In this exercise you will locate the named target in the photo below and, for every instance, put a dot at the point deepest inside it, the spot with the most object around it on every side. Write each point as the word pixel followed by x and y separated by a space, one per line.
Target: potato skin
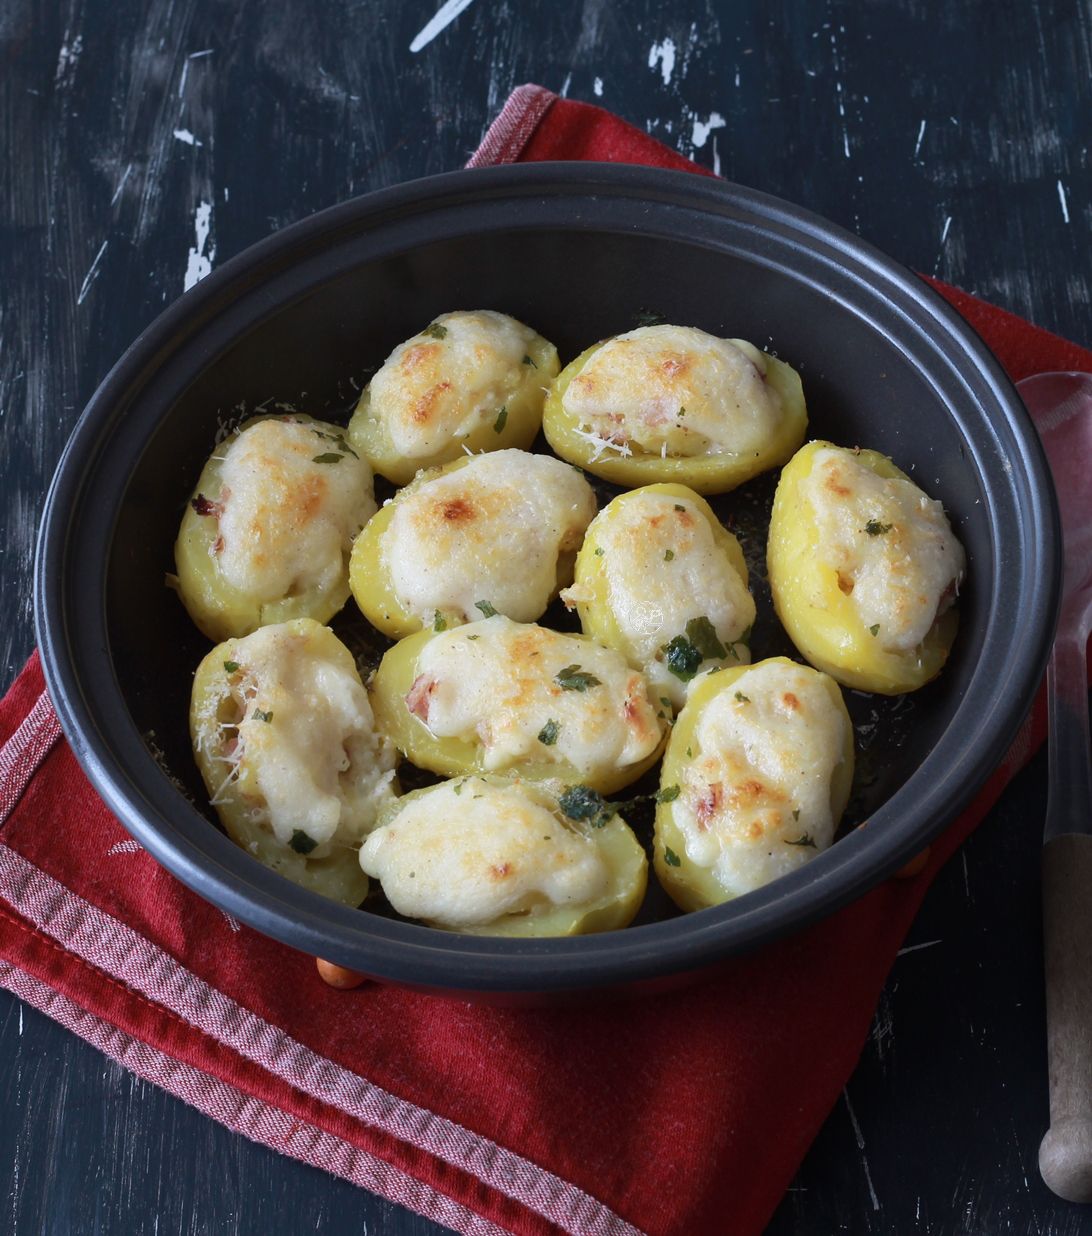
pixel 337 876
pixel 524 417
pixel 451 757
pixel 619 848
pixel 219 610
pixel 692 887
pixel 705 474
pixel 597 619
pixel 835 639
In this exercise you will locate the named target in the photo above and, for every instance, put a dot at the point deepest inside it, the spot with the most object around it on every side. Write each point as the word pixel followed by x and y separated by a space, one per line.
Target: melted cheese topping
pixel 469 852
pixel 676 390
pixel 286 522
pixel 431 390
pixel 892 546
pixel 758 788
pixel 652 596
pixel 306 730
pixel 490 531
pixel 495 683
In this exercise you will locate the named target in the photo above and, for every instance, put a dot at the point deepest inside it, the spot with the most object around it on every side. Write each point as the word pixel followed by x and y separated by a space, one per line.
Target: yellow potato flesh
pixel 597 616
pixel 451 757
pixel 523 416
pixel 220 610
pixel 705 474
pixel 690 886
pixel 338 875
pixel 830 634
pixel 618 847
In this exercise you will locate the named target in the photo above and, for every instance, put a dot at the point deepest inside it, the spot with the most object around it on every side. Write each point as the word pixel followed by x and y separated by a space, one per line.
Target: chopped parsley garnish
pixel 875 528
pixel 743 699
pixel 669 555
pixel 679 506
pixel 580 803
pixel 689 753
pixel 683 658
pixel 548 734
pixel 599 551
pixel 700 643
pixel 805 839
pixel 649 317
pixel 436 331
pixel 337 438
pixel 796 814
pixel 875 628
pixel 231 666
pixel 528 361
pixel 328 457
pixel 703 635
pixel 502 416
pixel 439 622
pixel 665 701
pixel 258 715
pixel 486 608
pixel 682 411
pixel 670 857
pixel 413 875
pixel 573 678
pixel 301 843
pixel 471 637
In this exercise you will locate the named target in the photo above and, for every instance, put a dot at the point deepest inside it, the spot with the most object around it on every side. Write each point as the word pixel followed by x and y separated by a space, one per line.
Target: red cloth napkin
pixel 672 1116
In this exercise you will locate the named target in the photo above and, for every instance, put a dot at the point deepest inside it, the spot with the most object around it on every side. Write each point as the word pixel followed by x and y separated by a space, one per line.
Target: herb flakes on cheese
pixel 676 390
pixel 892 547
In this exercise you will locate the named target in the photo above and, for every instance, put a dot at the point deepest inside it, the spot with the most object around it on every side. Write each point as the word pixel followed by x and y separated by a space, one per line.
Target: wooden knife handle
pixel 1065 1156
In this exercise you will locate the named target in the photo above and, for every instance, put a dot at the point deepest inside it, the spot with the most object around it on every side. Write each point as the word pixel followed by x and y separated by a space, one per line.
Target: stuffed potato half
pixel 496 531
pixel 285 740
pixel 863 568
pixel 656 416
pixel 661 580
pixel 755 778
pixel 267 534
pixel 500 696
pixel 498 857
pixel 469 382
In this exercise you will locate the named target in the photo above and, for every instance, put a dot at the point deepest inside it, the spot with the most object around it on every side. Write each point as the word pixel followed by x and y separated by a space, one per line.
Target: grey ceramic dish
pixel 576 250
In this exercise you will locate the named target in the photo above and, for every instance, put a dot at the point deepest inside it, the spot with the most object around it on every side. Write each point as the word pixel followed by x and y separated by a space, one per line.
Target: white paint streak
pixel 860 1146
pixel 921 134
pixel 68 56
pixel 198 264
pixel 89 278
pixel 597 86
pixel 197 55
pixel 913 948
pixel 1061 198
pixel 664 53
pixel 121 184
pixel 702 128
pixel 185 74
pixel 184 135
pixel 716 158
pixel 944 233
pixel 564 91
pixel 444 17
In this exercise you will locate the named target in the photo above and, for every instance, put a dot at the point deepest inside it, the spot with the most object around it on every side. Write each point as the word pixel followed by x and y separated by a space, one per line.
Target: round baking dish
pixel 576 250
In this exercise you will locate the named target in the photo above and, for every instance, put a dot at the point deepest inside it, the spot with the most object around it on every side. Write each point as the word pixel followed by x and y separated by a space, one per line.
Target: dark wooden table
pixel 145 140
